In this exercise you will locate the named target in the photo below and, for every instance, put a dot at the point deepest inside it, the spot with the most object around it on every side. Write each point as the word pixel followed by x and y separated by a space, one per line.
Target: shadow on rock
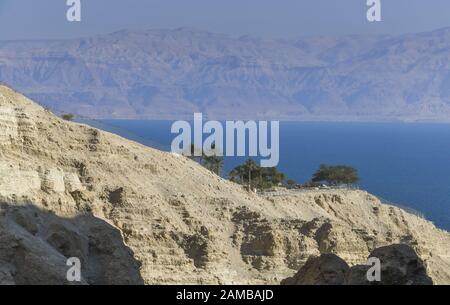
pixel 327 269
pixel 399 265
pixel 35 246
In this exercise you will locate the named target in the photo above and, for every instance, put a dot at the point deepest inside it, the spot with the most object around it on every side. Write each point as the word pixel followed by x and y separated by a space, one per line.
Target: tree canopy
pixel 211 161
pixel 255 176
pixel 335 175
pixel 68 116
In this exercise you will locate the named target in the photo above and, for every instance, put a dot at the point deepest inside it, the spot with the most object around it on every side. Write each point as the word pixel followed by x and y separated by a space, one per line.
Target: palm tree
pixel 193 151
pixel 254 176
pixel 218 165
pixel 251 167
pixel 214 163
pixel 212 160
pixel 237 174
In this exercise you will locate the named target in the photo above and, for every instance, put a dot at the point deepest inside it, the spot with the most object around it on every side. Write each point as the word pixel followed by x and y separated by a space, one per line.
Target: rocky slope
pixel 133 214
pixel 172 73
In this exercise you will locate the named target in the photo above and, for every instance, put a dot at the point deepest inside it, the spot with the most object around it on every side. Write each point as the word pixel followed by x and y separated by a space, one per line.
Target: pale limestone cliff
pixel 134 214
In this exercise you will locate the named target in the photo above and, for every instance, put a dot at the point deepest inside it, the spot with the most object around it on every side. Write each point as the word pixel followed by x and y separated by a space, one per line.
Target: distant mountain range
pixel 166 74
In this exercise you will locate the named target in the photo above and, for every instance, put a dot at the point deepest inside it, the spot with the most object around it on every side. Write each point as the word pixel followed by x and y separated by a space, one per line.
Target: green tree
pixel 193 150
pixel 213 160
pixel 237 174
pixel 252 170
pixel 335 175
pixel 213 163
pixel 68 116
pixel 291 183
pixel 210 160
pixel 254 176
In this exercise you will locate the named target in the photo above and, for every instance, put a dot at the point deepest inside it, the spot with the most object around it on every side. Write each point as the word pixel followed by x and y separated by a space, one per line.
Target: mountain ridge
pixel 169 74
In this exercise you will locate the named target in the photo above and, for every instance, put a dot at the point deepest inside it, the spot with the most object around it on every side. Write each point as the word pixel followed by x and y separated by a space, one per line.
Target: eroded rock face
pixel 98 196
pixel 35 246
pixel 327 269
pixel 400 265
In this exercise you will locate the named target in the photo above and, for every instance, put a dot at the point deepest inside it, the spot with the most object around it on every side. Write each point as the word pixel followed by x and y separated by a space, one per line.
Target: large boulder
pixel 357 275
pixel 326 269
pixel 399 265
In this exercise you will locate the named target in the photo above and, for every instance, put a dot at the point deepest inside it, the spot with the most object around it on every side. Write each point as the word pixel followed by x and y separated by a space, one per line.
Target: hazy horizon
pixel 260 18
pixel 220 33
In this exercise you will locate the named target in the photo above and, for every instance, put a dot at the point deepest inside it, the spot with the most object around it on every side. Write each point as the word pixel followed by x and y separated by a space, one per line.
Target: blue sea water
pixel 408 164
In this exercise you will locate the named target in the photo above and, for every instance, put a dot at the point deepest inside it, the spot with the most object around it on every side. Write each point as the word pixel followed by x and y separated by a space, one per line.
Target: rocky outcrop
pixel 327 269
pixel 133 214
pixel 35 246
pixel 399 265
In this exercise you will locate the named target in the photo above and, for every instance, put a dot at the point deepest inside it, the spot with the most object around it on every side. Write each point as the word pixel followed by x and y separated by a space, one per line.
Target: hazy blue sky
pixel 37 19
